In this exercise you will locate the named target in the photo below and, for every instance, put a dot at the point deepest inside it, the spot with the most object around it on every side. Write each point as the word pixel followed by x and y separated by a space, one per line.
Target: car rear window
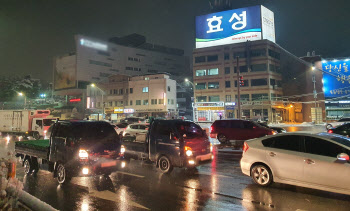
pixel 93 132
pixel 190 129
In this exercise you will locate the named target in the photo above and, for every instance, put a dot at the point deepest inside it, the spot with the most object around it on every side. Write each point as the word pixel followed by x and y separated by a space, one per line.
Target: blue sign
pixel 336 79
pixel 229 27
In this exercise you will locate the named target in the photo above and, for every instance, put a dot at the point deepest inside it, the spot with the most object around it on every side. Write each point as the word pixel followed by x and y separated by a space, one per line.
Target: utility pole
pixel 315 96
pixel 238 89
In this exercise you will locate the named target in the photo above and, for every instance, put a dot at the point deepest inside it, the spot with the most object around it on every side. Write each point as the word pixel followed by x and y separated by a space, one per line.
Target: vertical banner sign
pixel 234 26
pixel 337 82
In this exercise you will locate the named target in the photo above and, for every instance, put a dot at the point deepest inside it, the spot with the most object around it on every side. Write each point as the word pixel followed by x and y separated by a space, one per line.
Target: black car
pixel 343 129
pixel 277 129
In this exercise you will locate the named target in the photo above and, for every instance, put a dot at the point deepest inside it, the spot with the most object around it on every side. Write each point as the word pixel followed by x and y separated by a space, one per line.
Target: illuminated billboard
pixel 65 76
pixel 235 26
pixel 336 79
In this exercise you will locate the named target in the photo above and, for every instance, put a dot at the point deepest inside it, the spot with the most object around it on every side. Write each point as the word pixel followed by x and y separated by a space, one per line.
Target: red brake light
pixel 330 131
pixel 245 147
pixel 211 128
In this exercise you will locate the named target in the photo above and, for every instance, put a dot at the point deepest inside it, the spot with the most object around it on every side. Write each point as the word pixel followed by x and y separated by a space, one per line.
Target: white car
pixel 339 122
pixel 314 161
pixel 136 131
pixel 120 127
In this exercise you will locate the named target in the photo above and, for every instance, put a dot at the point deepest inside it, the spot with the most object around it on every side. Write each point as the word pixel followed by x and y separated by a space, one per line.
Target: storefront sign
pixel 128 110
pixel 210 108
pixel 209 104
pixel 109 110
pixel 337 82
pixel 118 110
pixel 148 110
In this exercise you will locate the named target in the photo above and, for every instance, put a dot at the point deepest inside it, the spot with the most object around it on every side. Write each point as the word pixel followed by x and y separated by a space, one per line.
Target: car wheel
pixel 329 126
pixel 36 136
pixel 165 165
pixel 28 167
pixel 222 138
pixel 261 175
pixel 62 174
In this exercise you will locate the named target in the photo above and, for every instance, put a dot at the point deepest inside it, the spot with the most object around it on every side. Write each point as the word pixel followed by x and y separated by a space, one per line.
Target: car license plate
pixel 109 164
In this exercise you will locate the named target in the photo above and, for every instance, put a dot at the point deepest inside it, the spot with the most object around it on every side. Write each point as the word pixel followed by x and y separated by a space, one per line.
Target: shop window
pixel 202 99
pixel 214 71
pixel 201 85
pixel 246 113
pixel 213 85
pixel 215 98
pixel 200 72
pixel 259 82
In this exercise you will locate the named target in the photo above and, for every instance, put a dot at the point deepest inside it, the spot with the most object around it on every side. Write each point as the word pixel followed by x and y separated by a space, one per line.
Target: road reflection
pixel 280 196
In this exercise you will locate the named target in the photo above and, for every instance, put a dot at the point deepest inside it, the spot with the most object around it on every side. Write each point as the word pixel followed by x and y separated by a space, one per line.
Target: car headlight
pixel 188 151
pixel 122 149
pixel 83 154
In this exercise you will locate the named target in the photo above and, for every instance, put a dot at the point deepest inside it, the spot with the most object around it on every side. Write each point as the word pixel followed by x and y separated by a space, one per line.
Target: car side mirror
pixel 343 157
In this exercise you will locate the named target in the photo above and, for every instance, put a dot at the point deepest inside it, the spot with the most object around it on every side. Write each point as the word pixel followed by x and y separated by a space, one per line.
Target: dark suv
pixel 236 131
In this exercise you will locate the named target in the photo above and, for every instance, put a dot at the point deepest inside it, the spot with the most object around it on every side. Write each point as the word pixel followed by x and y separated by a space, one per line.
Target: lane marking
pixel 130 174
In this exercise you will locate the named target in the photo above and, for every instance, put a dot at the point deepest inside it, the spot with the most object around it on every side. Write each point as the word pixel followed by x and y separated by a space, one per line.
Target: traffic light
pixel 241 81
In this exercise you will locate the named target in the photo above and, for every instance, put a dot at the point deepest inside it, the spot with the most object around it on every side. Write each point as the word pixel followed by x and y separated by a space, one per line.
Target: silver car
pixel 314 161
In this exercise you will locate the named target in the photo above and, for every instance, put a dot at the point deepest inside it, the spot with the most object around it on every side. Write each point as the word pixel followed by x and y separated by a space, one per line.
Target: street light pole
pixel 315 93
pixel 194 98
pixel 238 90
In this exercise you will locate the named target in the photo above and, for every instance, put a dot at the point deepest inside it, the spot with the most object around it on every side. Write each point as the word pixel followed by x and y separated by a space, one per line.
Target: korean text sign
pixel 336 79
pixel 233 26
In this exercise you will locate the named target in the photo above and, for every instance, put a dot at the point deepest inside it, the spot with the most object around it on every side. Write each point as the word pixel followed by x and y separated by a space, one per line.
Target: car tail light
pixel 211 128
pixel 188 151
pixel 245 147
pixel 330 131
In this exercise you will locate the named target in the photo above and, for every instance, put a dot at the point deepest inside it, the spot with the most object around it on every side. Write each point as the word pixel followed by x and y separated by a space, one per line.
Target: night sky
pixel 33 32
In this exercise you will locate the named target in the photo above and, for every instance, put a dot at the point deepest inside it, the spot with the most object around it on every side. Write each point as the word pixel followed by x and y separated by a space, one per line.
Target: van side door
pixel 59 142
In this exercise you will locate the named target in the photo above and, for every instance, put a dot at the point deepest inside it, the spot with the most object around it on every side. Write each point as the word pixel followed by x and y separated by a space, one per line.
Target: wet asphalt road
pixel 219 185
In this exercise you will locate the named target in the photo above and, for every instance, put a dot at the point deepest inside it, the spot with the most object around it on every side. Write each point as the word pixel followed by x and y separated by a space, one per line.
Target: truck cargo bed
pixel 37 148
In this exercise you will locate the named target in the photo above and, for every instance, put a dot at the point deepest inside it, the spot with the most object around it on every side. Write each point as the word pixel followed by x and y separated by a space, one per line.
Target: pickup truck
pixel 170 143
pixel 74 148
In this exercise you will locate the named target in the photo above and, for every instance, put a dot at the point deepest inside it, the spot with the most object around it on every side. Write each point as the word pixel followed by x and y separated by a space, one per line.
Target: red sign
pixel 202 118
pixel 75 100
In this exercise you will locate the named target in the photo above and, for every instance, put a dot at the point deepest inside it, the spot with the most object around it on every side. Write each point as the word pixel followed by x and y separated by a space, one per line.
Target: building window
pixel 103 53
pixel 213 85
pixel 100 63
pixel 138 102
pixel 199 59
pixel 227 84
pixel 172 102
pixel 215 98
pixel 201 85
pixel 212 58
pixel 129 68
pixel 258 67
pixel 214 71
pixel 242 69
pixel 121 91
pixel 259 82
pixel 145 102
pixel 257 52
pixel 226 56
pixel 145 89
pixel 200 72
pixel 272 82
pixel 244 97
pixel 202 99
pixel 227 70
pixel 146 78
pixel 279 83
pixel 242 54
pixel 168 88
pixel 168 101
pixel 245 83
pixel 110 91
pixel 153 101
pixel 274 54
pixel 131 90
pixel 246 113
pixel 115 91
pixel 121 103
pixel 115 103
pixel 160 101
pixel 228 98
pixel 260 97
pixel 110 103
pixel 131 102
pixel 126 103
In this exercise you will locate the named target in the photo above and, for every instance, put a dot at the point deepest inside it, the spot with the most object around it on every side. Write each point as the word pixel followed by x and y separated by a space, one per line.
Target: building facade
pixel 94 61
pixel 147 95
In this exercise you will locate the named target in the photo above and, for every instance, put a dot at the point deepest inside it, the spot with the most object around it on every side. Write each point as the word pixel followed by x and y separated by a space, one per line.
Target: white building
pixel 147 95
pixel 95 60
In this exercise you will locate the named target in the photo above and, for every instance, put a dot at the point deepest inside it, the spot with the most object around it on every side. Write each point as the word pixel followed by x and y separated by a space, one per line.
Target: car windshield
pixel 190 130
pixel 337 138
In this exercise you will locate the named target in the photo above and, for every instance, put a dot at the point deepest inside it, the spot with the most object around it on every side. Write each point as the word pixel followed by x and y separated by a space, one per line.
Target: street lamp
pixel 25 98
pixel 103 104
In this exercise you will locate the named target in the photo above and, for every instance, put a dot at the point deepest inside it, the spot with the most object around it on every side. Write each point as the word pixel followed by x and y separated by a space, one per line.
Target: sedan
pixel 314 161
pixel 343 130
pixel 339 122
